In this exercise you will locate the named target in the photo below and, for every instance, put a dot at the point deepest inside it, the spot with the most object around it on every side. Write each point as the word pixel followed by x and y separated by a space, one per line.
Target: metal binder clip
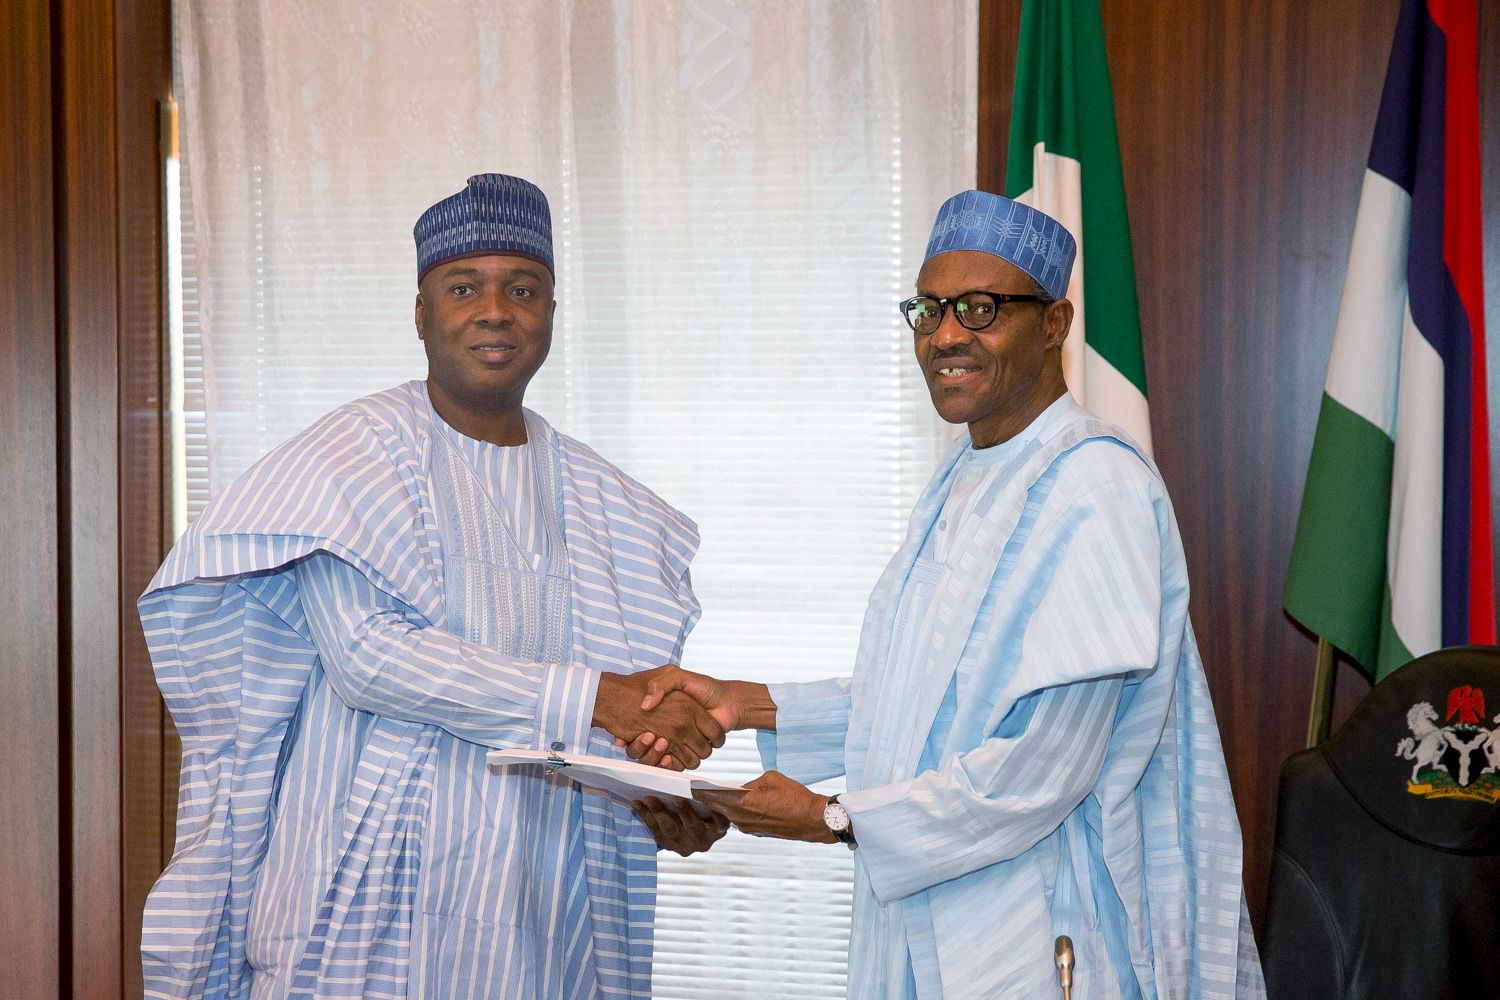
pixel 554 759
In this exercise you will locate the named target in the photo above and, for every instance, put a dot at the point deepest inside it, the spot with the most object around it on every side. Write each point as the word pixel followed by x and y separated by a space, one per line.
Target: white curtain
pixel 741 192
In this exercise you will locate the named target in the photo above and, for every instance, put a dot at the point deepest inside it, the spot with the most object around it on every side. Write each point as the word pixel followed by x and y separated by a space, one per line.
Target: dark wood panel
pixel 144 79
pixel 1244 129
pixel 88 428
pixel 30 865
pixel 1243 163
pixel 999 27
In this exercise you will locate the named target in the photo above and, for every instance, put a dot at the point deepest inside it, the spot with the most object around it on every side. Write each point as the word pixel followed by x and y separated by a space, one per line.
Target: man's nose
pixel 494 308
pixel 950 332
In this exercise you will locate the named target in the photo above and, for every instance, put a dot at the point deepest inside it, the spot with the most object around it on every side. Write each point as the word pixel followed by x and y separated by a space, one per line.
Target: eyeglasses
pixel 975 310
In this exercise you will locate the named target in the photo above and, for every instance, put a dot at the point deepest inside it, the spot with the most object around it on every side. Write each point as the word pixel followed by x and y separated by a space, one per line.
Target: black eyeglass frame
pixel 997 299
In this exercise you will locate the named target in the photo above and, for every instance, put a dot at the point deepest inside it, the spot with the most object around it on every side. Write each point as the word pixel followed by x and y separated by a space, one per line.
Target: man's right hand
pixel 733 704
pixel 690 731
pixel 718 697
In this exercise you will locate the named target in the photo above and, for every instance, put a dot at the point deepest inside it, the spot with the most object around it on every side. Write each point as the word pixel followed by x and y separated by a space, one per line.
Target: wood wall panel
pixel 144 79
pixel 88 430
pixel 1244 131
pixel 30 862
pixel 80 285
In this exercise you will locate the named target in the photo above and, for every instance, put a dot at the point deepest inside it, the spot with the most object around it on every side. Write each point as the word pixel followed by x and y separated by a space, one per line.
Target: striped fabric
pixel 375 738
pixel 1393 555
pixel 1029 740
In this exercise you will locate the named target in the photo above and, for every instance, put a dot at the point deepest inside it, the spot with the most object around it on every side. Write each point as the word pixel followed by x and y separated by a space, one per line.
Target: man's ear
pixel 420 317
pixel 1056 321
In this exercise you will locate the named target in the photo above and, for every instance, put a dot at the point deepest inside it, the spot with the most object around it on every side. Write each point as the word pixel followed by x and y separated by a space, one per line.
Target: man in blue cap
pixel 1028 739
pixel 344 634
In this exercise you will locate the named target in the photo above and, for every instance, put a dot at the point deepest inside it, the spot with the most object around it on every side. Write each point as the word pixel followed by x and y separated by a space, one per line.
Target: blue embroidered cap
pixel 494 214
pixel 1033 241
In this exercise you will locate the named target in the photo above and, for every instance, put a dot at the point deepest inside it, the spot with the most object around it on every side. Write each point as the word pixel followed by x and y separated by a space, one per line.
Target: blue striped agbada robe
pixel 1029 742
pixel 400 874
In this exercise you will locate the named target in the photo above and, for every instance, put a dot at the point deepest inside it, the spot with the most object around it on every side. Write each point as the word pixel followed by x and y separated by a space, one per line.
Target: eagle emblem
pixel 1459 760
pixel 1467 703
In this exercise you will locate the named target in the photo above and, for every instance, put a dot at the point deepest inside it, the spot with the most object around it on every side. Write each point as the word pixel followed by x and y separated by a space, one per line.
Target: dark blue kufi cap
pixel 1031 240
pixel 493 214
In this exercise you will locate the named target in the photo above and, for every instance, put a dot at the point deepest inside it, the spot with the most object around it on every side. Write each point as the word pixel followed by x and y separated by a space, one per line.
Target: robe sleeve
pixel 380 657
pixel 1096 623
pixel 812 720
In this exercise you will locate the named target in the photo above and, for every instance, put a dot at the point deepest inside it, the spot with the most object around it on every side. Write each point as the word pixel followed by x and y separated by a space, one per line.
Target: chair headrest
pixel 1421 753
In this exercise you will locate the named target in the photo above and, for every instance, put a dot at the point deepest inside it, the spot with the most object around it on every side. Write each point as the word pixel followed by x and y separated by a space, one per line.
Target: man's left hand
pixel 773 805
pixel 678 826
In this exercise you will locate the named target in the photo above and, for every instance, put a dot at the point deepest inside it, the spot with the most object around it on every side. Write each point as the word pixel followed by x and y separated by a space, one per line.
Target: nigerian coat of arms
pixel 1459 759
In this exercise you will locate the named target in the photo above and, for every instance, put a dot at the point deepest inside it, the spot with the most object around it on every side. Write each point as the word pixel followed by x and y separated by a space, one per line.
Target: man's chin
pixel 952 411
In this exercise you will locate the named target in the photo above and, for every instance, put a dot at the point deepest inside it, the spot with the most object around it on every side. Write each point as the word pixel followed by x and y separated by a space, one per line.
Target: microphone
pixel 1062 954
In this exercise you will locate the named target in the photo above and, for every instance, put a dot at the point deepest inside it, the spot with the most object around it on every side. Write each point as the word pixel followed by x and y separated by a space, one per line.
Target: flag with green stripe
pixel 1065 160
pixel 1393 556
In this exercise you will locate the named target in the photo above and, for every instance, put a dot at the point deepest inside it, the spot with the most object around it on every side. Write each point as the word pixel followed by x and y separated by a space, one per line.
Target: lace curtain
pixel 741 193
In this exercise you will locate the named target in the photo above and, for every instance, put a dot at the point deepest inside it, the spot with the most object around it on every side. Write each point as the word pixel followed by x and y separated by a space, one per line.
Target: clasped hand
pixel 687 718
pixel 772 805
pixel 656 704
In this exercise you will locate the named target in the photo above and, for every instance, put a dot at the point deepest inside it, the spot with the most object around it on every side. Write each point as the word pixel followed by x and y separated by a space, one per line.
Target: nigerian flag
pixel 1065 160
pixel 1392 557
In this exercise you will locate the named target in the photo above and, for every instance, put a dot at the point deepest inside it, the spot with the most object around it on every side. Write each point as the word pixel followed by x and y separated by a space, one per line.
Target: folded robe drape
pixel 233 656
pixel 1029 741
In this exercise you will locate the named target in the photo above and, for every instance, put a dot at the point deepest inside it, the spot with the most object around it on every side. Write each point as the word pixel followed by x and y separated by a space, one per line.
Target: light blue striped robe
pixel 1029 742
pixel 386 891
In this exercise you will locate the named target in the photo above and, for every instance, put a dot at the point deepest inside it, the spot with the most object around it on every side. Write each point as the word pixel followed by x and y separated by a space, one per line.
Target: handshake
pixel 675 718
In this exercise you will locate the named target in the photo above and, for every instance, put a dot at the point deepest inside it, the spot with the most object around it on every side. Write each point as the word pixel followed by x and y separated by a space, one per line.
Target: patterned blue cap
pixel 1033 241
pixel 494 214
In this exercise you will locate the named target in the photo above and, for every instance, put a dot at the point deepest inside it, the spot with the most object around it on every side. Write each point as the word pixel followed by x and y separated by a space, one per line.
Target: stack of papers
pixel 625 778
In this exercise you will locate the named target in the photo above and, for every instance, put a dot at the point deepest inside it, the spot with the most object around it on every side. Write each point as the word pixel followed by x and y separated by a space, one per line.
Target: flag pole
pixel 1320 715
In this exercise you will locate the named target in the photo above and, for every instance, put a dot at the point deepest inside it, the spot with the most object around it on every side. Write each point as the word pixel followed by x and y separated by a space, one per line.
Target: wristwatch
pixel 837 819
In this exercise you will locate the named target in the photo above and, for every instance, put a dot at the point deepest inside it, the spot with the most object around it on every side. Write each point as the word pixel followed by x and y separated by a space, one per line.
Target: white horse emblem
pixel 1427 742
pixel 1492 750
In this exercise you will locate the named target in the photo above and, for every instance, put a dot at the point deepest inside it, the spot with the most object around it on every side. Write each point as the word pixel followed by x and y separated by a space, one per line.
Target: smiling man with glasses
pixel 1028 738
pixel 987 367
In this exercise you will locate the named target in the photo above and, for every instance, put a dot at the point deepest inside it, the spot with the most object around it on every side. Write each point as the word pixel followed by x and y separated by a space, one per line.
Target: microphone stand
pixel 1062 954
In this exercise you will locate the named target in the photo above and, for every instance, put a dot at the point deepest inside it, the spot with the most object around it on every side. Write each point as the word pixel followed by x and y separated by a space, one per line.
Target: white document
pixel 626 778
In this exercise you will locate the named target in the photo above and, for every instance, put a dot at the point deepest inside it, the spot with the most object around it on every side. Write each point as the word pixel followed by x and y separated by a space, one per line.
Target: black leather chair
pixel 1385 881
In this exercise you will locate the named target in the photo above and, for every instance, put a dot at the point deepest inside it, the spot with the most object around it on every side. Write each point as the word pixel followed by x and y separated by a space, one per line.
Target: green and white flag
pixel 1394 554
pixel 1065 160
